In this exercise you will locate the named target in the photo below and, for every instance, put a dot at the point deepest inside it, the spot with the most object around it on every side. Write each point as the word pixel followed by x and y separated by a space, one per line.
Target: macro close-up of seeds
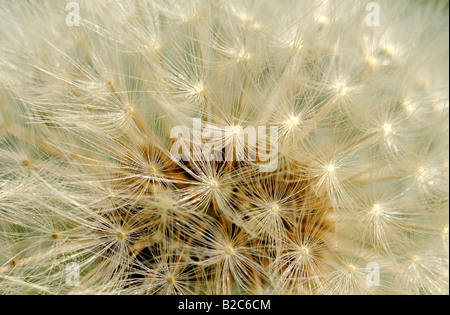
pixel 226 147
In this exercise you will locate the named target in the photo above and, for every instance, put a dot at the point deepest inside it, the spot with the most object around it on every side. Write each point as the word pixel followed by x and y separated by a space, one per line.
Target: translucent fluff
pixel 91 200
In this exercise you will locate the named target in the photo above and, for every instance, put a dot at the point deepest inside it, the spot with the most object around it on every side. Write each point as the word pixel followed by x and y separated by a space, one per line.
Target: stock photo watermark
pixel 373 274
pixel 228 143
pixel 73 17
pixel 73 274
pixel 373 17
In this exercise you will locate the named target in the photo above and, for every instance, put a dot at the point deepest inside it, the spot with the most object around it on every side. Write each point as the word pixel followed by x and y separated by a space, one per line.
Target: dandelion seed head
pixel 55 235
pixel 152 170
pixel 213 184
pixel 90 119
pixel 157 46
pixel 293 121
pixel 170 280
pixel 109 84
pixel 408 106
pixel 165 201
pixel 387 128
pixel 341 88
pixel 371 60
pixel 243 55
pixel 229 250
pixel 422 174
pixel 304 251
pixel 323 20
pixel 235 130
pixel 199 89
pixel 351 268
pixel 246 18
pixel 331 168
pixel 390 50
pixel 111 195
pixel 26 162
pixel 120 235
pixel 377 209
pixel 129 111
pixel 275 208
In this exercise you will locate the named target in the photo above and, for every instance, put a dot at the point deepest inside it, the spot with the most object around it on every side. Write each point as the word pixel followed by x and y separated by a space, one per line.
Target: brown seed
pixel 229 250
pixel 170 280
pixel 120 235
pixel 55 235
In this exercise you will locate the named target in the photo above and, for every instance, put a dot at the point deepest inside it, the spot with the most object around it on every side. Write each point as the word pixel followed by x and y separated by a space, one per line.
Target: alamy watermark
pixel 73 274
pixel 229 143
pixel 373 274
pixel 373 17
pixel 73 17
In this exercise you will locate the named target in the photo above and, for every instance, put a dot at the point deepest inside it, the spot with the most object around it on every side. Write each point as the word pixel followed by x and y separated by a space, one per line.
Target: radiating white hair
pixel 87 179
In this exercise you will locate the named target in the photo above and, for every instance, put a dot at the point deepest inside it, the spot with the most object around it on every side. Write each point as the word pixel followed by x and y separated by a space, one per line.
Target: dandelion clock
pixel 224 147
